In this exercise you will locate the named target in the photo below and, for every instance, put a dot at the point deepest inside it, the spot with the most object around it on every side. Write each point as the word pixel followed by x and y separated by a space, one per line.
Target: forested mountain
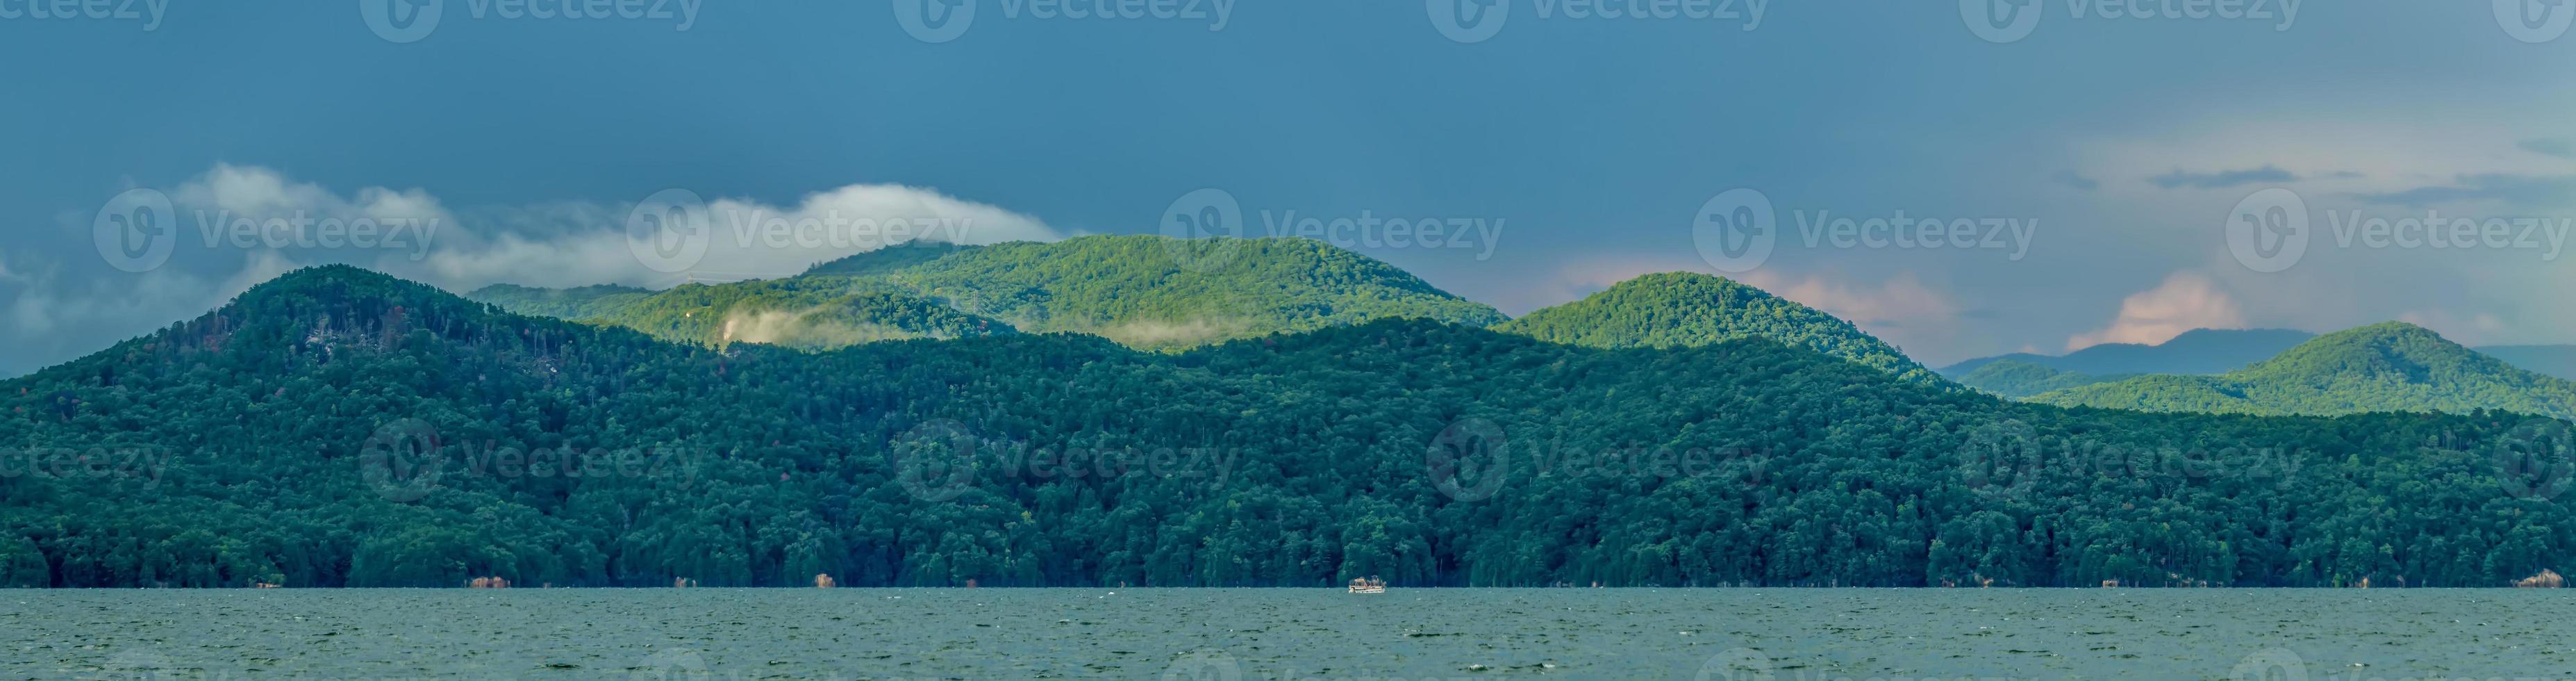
pixel 2198 351
pixel 1159 292
pixel 2383 367
pixel 1143 291
pixel 340 427
pixel 563 303
pixel 2018 379
pixel 888 260
pixel 1682 309
pixel 809 313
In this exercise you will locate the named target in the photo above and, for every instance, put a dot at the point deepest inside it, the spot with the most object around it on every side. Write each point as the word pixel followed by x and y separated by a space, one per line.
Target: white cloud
pixel 2185 301
pixel 1901 310
pixel 580 243
pixel 252 191
pixel 55 313
pixel 1901 301
pixel 767 241
pixel 2330 157
pixel 50 321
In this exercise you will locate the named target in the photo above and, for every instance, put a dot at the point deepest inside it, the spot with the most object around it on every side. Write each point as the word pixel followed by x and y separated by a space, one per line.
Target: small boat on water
pixel 1368 585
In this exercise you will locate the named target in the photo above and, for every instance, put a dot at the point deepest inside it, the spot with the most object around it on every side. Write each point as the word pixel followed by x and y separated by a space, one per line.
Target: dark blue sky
pixel 2096 160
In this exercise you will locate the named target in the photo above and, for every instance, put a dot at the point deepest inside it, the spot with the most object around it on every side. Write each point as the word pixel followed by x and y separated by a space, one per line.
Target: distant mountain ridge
pixel 2198 351
pixel 1138 290
pixel 2392 366
pixel 1163 293
pixel 2017 379
pixel 563 303
pixel 1683 309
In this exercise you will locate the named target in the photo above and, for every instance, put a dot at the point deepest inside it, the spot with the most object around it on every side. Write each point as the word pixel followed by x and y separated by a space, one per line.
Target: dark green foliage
pixel 1680 309
pixel 2383 367
pixel 1133 289
pixel 279 424
pixel 563 303
pixel 808 313
pixel 2018 379
pixel 1130 289
pixel 886 260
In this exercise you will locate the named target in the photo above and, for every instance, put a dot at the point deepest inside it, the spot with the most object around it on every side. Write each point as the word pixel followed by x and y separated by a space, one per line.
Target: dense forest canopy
pixel 1681 309
pixel 1147 292
pixel 818 312
pixel 2382 367
pixel 2018 379
pixel 338 427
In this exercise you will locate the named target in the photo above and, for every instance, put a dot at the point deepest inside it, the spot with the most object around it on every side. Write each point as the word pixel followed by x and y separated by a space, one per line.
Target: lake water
pixel 1226 634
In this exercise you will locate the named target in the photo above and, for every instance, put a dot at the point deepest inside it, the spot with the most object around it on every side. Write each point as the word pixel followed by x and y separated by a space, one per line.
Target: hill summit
pixel 1143 291
pixel 2391 366
pixel 1684 309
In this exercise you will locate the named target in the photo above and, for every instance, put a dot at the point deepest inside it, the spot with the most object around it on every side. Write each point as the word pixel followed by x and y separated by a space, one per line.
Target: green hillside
pixel 1681 309
pixel 338 427
pixel 562 303
pixel 809 313
pixel 887 260
pixel 1133 290
pixel 2019 379
pixel 2383 367
pixel 1130 289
